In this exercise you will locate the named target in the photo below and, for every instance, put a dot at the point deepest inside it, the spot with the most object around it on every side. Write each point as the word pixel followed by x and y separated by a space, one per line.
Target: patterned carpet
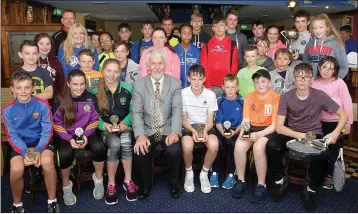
pixel 219 200
pixel 351 169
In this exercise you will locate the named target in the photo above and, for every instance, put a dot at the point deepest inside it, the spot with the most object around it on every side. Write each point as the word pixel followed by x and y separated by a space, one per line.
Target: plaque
pixel 227 126
pixel 114 120
pixel 31 154
pixel 246 126
pixel 200 129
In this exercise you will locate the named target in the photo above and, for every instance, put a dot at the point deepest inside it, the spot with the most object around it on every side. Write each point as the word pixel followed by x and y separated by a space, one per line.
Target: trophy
pixel 227 126
pixel 290 35
pixel 31 154
pixel 246 126
pixel 114 120
pixel 79 134
pixel 310 136
pixel 200 129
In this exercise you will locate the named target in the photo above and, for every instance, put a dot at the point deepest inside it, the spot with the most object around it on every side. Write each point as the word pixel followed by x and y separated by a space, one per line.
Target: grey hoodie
pixel 279 84
pixel 240 40
pixel 132 72
pixel 329 46
pixel 300 44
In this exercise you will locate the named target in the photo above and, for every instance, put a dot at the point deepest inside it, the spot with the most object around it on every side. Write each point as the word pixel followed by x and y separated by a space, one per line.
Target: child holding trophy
pixel 115 110
pixel 75 122
pixel 258 126
pixel 227 121
pixel 199 106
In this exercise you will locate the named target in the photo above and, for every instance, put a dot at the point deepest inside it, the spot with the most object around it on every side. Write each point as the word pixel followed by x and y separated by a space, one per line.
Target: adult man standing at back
pixel 68 19
pixel 239 39
pixel 258 29
pixel 156 119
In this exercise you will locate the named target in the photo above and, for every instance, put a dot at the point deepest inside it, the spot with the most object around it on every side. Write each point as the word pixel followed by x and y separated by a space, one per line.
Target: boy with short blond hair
pixel 199 107
pixel 219 57
pixel 28 125
pixel 200 37
pixel 230 110
pixel 282 76
pixel 86 61
pixel 245 75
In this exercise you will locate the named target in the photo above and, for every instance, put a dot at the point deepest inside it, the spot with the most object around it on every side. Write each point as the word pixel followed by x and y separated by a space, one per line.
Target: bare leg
pixel 17 168
pixel 240 154
pixel 48 166
pixel 260 159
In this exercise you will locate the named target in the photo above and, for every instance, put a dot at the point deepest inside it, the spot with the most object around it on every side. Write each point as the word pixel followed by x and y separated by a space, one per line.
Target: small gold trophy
pixel 200 129
pixel 31 154
pixel 310 136
pixel 79 133
pixel 227 126
pixel 114 120
pixel 246 126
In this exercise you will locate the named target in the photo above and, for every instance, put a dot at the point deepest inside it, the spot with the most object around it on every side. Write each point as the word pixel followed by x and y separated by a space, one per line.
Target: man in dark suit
pixel 156 119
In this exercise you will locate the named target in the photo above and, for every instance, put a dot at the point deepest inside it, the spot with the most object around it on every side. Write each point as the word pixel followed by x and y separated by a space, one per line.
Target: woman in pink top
pixel 159 40
pixel 273 35
pixel 337 89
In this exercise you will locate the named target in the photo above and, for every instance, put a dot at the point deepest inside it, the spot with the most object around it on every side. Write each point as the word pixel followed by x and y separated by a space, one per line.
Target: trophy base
pixel 227 133
pixel 79 141
pixel 201 138
pixel 245 136
pixel 115 130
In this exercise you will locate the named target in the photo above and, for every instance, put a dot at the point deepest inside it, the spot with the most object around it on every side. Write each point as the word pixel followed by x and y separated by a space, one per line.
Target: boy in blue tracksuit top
pixel 230 106
pixel 188 53
pixel 139 46
pixel 28 124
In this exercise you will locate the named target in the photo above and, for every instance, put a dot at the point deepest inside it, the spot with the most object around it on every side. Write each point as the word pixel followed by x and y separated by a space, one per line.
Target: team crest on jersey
pixel 86 108
pixel 35 115
pixel 123 101
pixel 303 42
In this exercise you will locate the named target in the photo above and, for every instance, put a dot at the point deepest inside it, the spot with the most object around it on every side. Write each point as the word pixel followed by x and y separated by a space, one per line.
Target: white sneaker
pixel 204 182
pixel 68 197
pixel 189 181
pixel 98 191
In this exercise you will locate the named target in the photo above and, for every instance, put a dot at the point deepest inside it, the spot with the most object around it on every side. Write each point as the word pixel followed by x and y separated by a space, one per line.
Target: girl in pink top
pixel 273 35
pixel 159 40
pixel 337 89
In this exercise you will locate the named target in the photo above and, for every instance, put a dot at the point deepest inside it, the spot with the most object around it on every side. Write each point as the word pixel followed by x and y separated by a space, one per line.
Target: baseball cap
pixel 261 73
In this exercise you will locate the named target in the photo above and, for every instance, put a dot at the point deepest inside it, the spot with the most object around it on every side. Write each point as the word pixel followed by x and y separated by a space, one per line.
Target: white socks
pixel 17 205
pixel 51 201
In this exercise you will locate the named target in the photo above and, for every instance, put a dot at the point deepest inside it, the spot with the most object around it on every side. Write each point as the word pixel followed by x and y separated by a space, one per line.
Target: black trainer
pixel 19 209
pixel 259 194
pixel 54 207
pixel 279 190
pixel 111 195
pixel 309 201
pixel 238 191
pixel 131 191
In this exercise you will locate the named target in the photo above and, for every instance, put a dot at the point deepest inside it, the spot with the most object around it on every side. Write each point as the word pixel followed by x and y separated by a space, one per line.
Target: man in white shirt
pixel 199 106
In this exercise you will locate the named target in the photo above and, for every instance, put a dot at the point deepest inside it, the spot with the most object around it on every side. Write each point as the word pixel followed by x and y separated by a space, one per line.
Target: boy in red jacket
pixel 219 57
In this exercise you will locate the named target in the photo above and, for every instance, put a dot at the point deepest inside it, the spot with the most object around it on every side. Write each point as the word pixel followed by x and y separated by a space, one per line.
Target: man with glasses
pixel 68 19
pixel 301 107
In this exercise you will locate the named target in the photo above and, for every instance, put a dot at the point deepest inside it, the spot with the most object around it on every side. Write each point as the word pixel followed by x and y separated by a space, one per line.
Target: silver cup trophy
pixel 227 126
pixel 290 36
pixel 114 120
pixel 79 133
pixel 246 126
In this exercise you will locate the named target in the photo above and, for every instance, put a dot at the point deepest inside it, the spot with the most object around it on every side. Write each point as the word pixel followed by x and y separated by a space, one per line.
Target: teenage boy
pixel 124 33
pixel 200 36
pixel 302 20
pixel 245 75
pixel 239 39
pixel 230 106
pixel 168 25
pixel 282 76
pixel 302 108
pixel 219 57
pixel 86 62
pixel 29 53
pixel 260 111
pixel 258 30
pixel 28 125
pixel 188 53
pixel 139 46
pixel 199 106
pixel 350 44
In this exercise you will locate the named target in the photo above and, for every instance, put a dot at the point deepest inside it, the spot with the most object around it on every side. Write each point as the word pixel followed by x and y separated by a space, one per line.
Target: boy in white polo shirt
pixel 199 106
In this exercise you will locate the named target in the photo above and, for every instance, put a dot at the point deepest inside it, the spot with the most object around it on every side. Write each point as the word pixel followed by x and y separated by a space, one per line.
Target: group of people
pixel 121 99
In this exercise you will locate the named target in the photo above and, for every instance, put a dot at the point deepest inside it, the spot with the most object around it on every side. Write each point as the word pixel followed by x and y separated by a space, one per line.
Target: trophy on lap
pixel 79 134
pixel 290 35
pixel 200 129
pixel 31 154
pixel 246 126
pixel 227 126
pixel 114 120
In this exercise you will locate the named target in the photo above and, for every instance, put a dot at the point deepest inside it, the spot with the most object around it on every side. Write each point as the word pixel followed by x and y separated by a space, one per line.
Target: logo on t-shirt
pixel 123 101
pixel 39 85
pixel 73 61
pixel 219 48
pixel 86 108
pixel 35 115
pixel 268 110
pixel 205 103
pixel 303 42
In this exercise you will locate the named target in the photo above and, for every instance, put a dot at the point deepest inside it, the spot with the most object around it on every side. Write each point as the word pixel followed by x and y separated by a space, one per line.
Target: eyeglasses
pixel 299 78
pixel 105 41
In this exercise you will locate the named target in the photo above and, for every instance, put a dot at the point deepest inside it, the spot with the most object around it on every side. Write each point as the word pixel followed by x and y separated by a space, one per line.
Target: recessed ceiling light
pixel 99 2
pixel 327 7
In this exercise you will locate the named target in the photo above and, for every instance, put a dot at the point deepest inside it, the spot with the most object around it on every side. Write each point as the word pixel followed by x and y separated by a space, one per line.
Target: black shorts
pixel 188 133
pixel 50 147
pixel 260 128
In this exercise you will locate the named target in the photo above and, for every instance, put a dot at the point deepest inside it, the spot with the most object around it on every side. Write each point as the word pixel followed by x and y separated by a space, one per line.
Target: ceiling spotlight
pixel 291 4
pixel 327 7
